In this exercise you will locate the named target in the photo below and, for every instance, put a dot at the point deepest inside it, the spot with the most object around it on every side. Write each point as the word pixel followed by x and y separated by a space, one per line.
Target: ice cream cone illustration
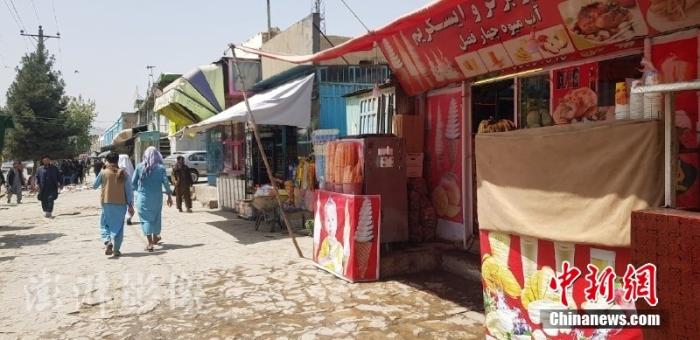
pixel 439 132
pixel 452 131
pixel 346 240
pixel 500 246
pixel 364 234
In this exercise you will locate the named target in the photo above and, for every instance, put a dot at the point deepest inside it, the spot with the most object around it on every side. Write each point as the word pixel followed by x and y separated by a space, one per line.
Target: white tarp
pixel 288 104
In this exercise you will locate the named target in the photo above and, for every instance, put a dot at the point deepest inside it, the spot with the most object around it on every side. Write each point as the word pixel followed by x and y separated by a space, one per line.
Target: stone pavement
pixel 213 277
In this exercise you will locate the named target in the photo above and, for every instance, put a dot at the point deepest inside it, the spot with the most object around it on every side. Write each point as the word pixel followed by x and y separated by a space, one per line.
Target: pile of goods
pixel 493 125
pixel 422 219
pixel 344 168
pixel 578 105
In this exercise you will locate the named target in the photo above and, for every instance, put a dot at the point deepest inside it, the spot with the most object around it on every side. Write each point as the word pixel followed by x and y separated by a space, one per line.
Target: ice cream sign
pixel 457 40
pixel 346 235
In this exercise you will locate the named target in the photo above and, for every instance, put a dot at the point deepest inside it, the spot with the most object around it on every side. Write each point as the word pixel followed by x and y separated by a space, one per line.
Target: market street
pixel 213 276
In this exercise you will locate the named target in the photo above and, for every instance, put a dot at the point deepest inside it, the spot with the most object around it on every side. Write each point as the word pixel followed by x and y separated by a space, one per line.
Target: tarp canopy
pixel 288 104
pixel 194 97
pixel 453 40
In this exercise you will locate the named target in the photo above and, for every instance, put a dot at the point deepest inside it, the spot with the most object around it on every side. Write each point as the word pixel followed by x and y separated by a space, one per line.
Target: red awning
pixel 452 40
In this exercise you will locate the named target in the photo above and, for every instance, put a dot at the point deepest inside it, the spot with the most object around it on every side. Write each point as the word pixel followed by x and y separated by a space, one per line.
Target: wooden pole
pixel 254 126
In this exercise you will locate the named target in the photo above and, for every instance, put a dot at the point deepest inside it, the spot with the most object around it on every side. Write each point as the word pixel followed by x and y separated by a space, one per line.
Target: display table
pixel 347 235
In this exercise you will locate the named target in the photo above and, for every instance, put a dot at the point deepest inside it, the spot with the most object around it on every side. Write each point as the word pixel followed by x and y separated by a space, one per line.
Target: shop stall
pixel 549 93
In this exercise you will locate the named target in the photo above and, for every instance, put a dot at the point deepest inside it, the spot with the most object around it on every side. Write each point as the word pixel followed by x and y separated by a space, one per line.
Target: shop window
pixel 534 108
pixel 492 100
pixel 615 71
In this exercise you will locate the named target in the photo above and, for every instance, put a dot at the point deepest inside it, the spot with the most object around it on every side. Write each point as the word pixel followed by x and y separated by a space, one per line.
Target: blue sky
pixel 109 43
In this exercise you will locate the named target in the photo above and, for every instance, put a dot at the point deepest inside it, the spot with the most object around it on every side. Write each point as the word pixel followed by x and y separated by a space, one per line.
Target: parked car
pixel 195 160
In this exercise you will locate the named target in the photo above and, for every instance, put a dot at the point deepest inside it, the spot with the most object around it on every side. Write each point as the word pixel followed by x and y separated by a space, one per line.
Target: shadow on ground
pixel 8 241
pixel 163 249
pixel 4 228
pixel 464 292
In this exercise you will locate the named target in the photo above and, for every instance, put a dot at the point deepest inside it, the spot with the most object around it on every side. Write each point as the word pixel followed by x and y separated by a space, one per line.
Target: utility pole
pixel 41 36
pixel 269 20
pixel 148 94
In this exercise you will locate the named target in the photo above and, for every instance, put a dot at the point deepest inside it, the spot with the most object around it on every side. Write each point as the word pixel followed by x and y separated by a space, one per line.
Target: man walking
pixel 67 170
pixel 183 183
pixel 97 166
pixel 117 201
pixel 49 183
pixel 81 171
pixel 15 182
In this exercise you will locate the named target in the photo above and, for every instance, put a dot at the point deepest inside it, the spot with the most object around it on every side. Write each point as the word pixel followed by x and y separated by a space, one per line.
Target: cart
pixel 267 211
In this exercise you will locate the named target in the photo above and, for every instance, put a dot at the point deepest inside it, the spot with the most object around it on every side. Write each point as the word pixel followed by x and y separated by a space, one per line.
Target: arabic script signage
pixel 475 37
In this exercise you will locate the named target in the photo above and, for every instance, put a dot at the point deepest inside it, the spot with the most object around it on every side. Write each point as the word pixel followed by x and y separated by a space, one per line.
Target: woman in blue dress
pixel 149 182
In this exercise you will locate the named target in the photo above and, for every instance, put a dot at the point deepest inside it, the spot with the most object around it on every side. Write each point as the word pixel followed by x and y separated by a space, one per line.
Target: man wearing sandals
pixel 116 199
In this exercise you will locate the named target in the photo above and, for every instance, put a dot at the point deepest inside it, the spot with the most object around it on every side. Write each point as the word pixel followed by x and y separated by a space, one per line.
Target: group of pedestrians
pixel 73 171
pixel 123 193
pixel 47 180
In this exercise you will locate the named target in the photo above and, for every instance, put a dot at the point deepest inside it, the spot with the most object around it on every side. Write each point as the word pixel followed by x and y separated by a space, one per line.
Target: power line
pixel 53 7
pixel 36 12
pixel 12 14
pixel 19 25
pixel 58 30
pixel 19 17
pixel 355 15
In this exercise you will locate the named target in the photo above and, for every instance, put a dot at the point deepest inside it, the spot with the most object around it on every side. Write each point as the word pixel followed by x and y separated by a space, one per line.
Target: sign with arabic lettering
pixel 477 37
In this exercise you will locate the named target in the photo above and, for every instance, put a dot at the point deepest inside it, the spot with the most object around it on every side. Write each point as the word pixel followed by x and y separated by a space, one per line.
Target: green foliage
pixel 46 122
pixel 81 113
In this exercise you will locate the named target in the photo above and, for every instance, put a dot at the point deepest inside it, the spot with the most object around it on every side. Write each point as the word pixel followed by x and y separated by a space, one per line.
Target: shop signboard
pixel 445 160
pixel 347 235
pixel 518 272
pixel 466 39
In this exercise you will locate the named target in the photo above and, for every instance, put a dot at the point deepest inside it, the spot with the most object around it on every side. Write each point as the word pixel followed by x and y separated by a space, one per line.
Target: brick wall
pixel 670 239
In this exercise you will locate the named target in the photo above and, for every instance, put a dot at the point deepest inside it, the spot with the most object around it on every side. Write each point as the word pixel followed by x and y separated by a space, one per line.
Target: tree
pixel 80 114
pixel 37 104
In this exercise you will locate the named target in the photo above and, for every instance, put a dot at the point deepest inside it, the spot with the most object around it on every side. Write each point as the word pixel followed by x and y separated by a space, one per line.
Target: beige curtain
pixel 574 183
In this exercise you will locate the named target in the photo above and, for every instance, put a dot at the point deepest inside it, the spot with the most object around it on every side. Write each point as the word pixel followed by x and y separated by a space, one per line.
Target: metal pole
pixel 263 155
pixel 670 150
pixel 269 20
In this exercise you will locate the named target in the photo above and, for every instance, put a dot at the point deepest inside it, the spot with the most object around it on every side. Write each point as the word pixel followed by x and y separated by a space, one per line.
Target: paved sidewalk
pixel 214 276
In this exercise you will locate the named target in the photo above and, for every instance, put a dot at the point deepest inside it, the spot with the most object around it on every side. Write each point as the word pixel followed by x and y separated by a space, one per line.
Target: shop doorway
pixel 488 101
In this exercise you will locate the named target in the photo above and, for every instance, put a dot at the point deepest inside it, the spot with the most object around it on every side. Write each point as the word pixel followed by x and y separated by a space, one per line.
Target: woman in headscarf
pixel 148 183
pixel 117 201
pixel 128 168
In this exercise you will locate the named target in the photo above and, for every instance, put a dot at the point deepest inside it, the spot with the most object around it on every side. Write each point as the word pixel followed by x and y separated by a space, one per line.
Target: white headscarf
pixel 151 159
pixel 125 164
